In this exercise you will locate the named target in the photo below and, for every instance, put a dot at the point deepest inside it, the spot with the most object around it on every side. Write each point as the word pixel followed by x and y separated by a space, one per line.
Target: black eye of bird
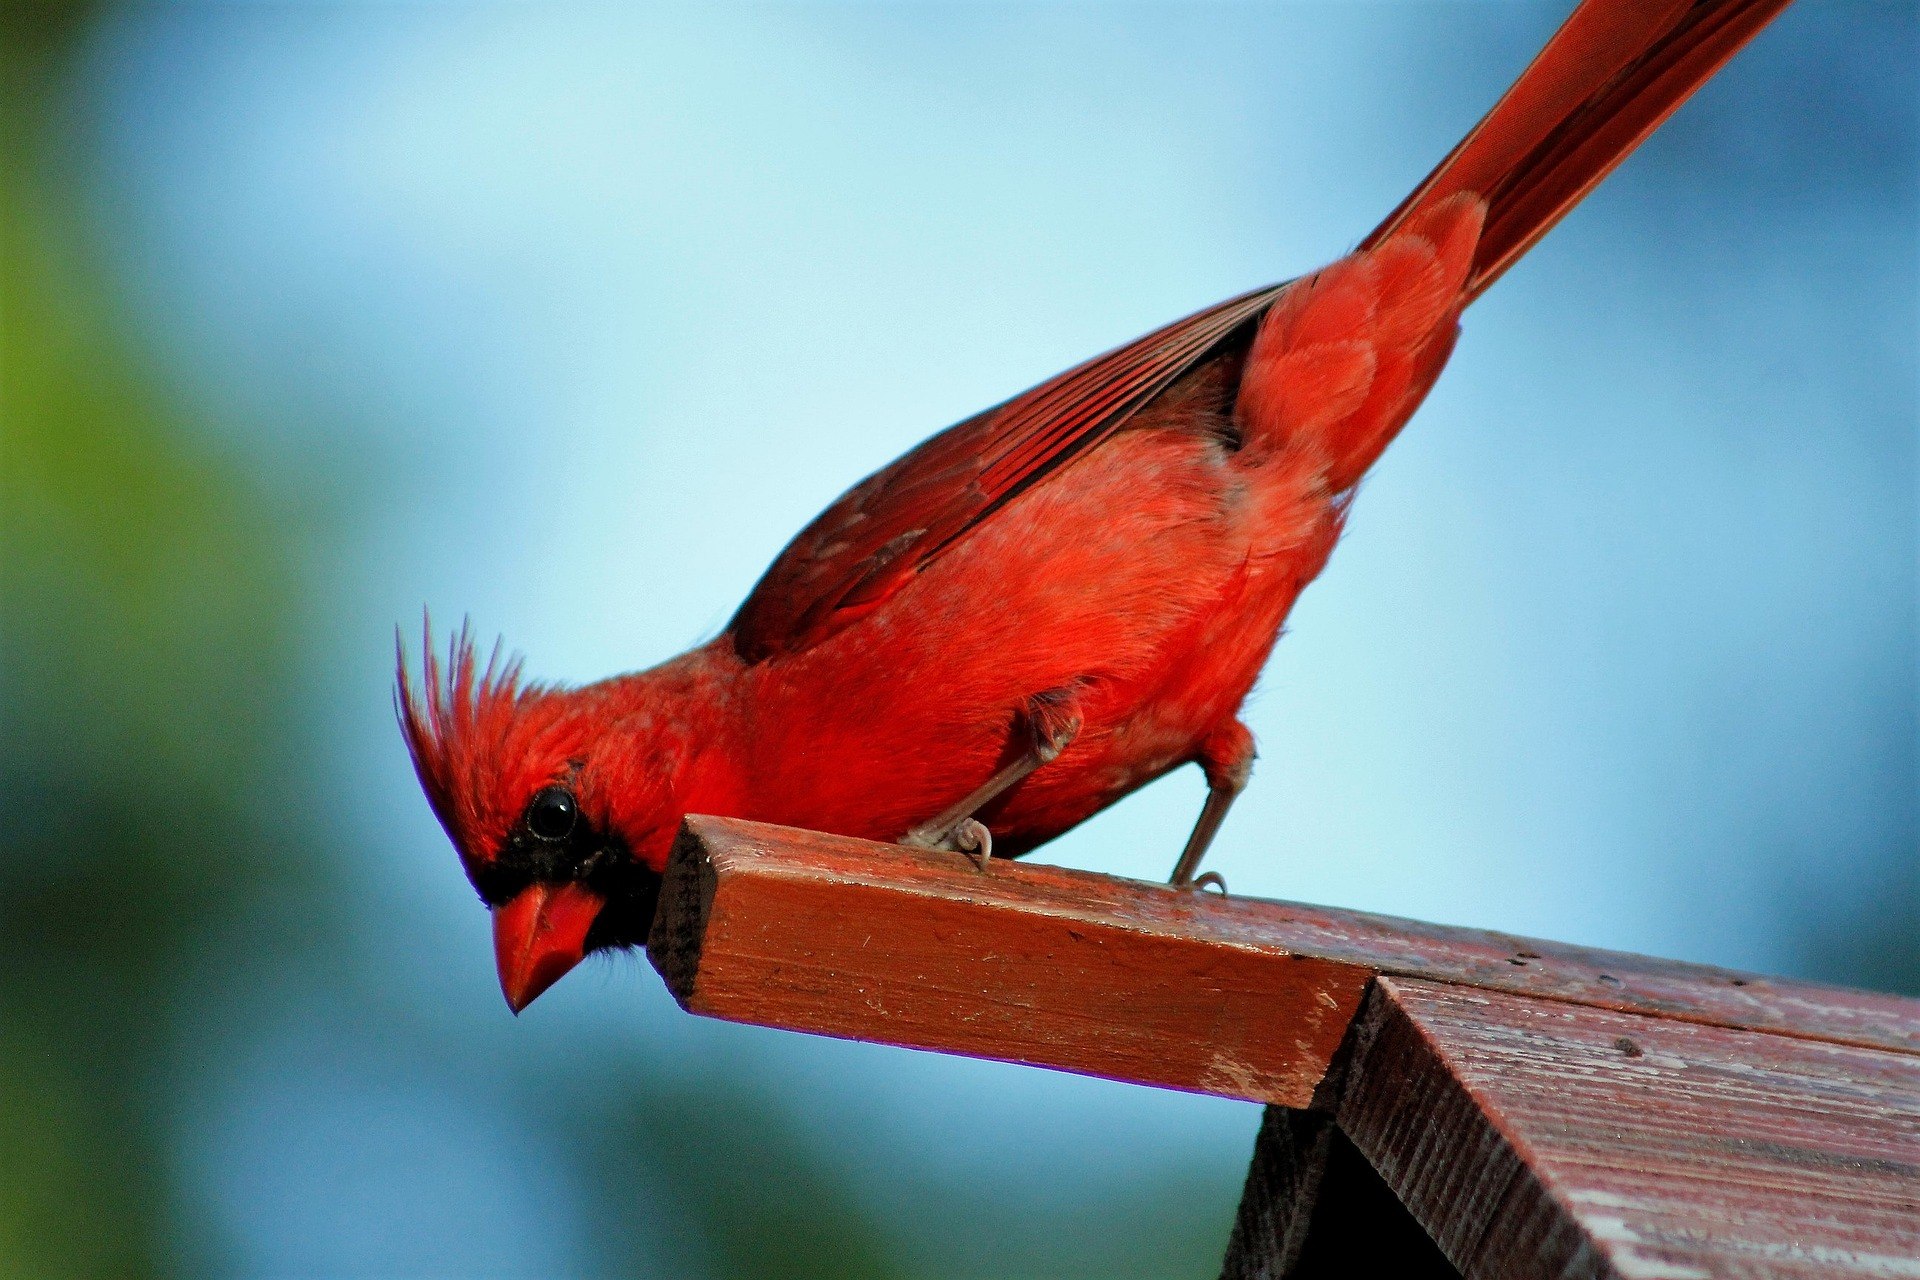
pixel 552 813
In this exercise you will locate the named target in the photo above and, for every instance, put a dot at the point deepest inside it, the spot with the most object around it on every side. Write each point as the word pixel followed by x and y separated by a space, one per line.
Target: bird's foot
pixel 1202 881
pixel 969 836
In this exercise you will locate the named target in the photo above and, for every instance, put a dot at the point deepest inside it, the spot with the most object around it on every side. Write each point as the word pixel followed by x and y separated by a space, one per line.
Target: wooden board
pixel 1538 1138
pixel 872 942
pixel 1239 997
pixel 1480 1104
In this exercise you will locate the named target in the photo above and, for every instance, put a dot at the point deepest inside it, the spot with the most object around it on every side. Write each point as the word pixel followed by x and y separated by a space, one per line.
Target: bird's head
pixel 561 830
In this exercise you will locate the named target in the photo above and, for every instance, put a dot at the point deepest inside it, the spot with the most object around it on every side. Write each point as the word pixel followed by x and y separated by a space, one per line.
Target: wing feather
pixel 888 528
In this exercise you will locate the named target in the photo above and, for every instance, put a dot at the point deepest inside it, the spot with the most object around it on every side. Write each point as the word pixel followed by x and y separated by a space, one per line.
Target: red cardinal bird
pixel 1056 602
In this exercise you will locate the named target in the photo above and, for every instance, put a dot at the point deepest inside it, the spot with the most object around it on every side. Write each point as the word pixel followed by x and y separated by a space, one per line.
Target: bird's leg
pixel 1049 723
pixel 1227 758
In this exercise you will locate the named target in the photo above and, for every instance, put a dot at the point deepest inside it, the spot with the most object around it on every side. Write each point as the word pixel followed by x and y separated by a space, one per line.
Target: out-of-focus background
pixel 566 318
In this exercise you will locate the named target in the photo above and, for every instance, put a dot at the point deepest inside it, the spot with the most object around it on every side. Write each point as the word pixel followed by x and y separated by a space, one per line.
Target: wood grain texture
pixel 874 942
pixel 1239 997
pixel 1281 1192
pixel 1537 1138
pixel 1314 1209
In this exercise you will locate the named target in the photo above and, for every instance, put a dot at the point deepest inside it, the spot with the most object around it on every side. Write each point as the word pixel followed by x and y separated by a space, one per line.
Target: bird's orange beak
pixel 540 935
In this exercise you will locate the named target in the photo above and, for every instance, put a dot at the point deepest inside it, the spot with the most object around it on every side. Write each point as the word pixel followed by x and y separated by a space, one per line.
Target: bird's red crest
pixel 479 745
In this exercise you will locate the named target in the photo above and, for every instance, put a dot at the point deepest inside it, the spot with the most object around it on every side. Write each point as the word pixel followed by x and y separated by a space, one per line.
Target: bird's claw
pixel 972 838
pixel 969 836
pixel 1202 881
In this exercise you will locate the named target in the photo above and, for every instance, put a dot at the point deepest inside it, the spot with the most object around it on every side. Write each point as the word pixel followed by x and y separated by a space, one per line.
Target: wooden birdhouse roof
pixel 1442 1101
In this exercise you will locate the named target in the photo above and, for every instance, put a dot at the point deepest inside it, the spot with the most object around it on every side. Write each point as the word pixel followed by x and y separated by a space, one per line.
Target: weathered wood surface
pixel 1314 1209
pixel 1234 996
pixel 1483 1103
pixel 1536 1138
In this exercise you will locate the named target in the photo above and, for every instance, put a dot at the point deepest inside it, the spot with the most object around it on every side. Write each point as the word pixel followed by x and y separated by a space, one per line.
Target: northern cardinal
pixel 1055 602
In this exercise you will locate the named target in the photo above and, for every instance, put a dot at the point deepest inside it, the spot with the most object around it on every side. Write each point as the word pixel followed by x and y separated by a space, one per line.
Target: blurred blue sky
pixel 581 312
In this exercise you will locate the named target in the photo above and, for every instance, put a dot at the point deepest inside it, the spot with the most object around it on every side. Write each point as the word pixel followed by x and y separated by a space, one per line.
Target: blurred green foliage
pixel 144 641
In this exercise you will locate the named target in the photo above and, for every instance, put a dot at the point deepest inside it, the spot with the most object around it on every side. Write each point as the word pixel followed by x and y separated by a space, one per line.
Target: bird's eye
pixel 552 813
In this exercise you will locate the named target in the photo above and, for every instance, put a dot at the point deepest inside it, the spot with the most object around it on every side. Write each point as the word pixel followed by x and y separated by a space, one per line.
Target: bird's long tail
pixel 1612 73
pixel 1347 354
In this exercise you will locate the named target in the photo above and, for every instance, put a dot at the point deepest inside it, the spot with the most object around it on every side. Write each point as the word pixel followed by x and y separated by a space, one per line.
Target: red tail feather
pixel 1603 83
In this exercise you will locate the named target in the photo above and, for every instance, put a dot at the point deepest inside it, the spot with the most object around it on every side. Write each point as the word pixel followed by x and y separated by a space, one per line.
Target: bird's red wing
pixel 886 529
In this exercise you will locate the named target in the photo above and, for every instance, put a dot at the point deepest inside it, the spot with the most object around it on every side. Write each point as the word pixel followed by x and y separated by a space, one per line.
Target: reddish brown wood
pixel 1538 1138
pixel 874 942
pixel 1531 1109
pixel 1234 996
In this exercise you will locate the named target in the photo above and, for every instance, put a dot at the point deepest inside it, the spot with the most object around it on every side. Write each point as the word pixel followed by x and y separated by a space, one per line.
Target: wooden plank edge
pixel 1476 1194
pixel 772 939
pixel 1368 945
pixel 1531 1138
